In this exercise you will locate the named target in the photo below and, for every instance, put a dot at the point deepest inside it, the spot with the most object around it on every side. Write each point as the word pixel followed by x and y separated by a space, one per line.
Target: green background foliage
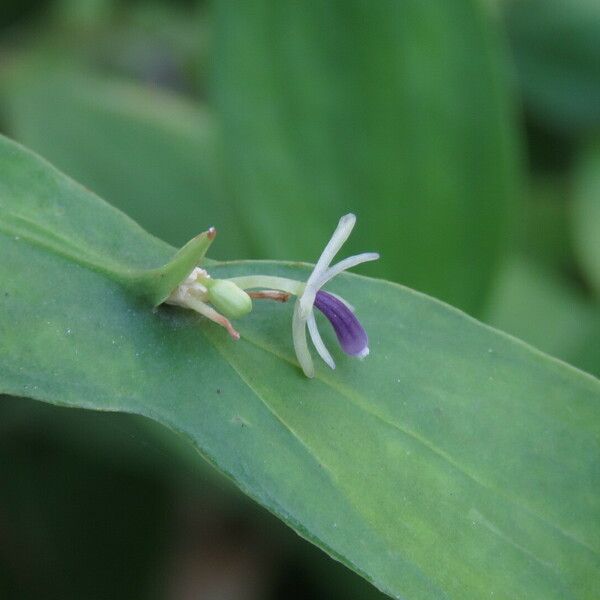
pixel 449 471
pixel 338 118
pixel 557 59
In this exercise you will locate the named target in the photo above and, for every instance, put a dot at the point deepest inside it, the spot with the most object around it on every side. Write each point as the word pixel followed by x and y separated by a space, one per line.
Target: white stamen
pixel 344 265
pixel 315 336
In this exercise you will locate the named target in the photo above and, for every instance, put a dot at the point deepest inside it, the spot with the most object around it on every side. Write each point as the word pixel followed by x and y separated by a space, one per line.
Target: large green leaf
pixel 586 214
pixel 455 462
pixel 150 153
pixel 557 55
pixel 395 110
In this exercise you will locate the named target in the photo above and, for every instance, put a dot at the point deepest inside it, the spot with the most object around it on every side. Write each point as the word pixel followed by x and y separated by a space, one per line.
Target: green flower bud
pixel 228 298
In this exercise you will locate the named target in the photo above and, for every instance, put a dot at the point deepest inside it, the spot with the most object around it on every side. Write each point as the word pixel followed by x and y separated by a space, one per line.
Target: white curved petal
pixel 300 345
pixel 340 235
pixel 315 336
pixel 344 265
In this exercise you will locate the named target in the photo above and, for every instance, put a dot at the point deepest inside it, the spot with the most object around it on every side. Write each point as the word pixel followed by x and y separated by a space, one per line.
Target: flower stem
pixel 291 286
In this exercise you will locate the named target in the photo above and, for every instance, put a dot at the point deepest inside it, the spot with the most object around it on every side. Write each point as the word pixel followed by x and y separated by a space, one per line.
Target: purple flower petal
pixel 350 333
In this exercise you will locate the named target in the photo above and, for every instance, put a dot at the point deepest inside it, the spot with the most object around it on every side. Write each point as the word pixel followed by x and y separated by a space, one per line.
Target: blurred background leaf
pixel 150 152
pixel 396 111
pixel 536 305
pixel 586 215
pixel 544 233
pixel 54 501
pixel 557 56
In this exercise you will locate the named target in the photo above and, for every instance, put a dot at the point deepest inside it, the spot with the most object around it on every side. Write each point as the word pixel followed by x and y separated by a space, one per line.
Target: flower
pixel 228 296
pixel 352 337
